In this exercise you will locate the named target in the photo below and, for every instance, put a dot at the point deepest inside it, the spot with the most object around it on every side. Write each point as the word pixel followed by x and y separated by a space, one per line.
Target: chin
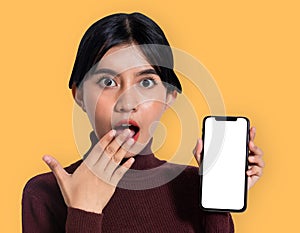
pixel 139 147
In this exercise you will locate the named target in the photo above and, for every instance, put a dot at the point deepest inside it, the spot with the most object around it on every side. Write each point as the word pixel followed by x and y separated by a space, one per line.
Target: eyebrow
pixel 113 73
pixel 147 71
pixel 105 71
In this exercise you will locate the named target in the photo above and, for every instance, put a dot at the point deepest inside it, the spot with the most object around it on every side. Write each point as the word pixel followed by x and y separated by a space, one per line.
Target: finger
pixel 98 149
pixel 252 133
pixel 256 160
pixel 120 172
pixel 108 153
pixel 197 150
pixel 117 158
pixel 252 180
pixel 255 171
pixel 254 149
pixel 56 168
pixel 112 148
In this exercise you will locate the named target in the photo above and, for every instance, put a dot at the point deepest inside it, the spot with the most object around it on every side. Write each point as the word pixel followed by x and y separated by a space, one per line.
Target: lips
pixel 128 124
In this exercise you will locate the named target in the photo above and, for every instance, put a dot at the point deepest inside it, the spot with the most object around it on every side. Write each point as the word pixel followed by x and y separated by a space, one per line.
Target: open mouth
pixel 133 126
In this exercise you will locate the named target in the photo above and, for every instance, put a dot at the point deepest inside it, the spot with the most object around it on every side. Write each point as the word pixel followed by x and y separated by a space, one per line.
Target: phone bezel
pixel 225 118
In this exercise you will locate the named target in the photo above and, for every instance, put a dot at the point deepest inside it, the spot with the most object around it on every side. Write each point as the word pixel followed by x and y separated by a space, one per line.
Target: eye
pixel 107 82
pixel 147 83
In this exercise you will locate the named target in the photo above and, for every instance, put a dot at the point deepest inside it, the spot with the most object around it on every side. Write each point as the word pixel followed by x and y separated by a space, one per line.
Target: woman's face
pixel 123 91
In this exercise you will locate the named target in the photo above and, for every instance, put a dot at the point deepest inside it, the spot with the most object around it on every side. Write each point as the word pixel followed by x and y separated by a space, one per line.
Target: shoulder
pixel 190 171
pixel 46 184
pixel 187 174
pixel 186 179
pixel 43 206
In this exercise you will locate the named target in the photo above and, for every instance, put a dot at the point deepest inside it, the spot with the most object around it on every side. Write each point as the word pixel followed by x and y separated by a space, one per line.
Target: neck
pixel 146 149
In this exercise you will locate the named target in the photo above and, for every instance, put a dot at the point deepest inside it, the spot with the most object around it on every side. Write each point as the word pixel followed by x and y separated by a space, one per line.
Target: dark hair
pixel 124 28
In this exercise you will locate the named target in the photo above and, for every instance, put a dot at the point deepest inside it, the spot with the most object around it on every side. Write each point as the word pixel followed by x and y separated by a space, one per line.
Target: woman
pixel 123 79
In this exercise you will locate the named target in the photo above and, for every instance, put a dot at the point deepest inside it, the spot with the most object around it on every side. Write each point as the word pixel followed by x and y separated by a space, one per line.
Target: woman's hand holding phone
pixel 94 182
pixel 256 162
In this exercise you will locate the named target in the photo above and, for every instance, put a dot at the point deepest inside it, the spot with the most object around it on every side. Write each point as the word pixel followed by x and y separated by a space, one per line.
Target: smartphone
pixel 224 162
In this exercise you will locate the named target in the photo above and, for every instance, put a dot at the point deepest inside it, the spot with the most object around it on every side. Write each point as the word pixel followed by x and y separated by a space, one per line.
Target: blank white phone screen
pixel 224 164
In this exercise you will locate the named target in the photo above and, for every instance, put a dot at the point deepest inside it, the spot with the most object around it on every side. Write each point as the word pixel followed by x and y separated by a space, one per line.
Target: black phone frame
pixel 225 118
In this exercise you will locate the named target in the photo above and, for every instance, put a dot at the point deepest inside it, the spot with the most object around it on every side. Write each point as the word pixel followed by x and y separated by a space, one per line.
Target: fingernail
pixel 130 141
pixel 132 160
pixel 126 132
pixel 131 133
pixel 46 159
pixel 112 133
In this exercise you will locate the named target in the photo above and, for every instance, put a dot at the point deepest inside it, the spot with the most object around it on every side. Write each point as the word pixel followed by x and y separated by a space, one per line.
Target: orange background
pixel 251 48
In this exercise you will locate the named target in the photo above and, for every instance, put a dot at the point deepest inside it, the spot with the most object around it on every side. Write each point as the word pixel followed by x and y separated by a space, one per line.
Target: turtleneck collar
pixel 145 162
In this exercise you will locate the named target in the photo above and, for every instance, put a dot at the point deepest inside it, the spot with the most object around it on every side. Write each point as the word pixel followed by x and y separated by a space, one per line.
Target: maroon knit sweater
pixel 170 207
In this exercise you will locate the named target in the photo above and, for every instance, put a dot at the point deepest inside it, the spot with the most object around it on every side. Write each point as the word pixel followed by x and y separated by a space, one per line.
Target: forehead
pixel 123 57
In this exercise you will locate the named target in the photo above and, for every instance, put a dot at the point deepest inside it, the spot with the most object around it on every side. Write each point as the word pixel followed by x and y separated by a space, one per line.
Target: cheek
pixel 152 113
pixel 102 116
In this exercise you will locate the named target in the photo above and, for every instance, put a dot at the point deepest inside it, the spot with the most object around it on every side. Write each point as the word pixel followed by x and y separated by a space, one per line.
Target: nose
pixel 128 101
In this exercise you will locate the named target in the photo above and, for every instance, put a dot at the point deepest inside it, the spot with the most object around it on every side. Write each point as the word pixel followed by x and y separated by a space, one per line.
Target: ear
pixel 171 97
pixel 77 93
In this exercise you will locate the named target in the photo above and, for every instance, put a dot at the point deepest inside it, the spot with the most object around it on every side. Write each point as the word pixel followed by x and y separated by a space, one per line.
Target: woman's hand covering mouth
pixel 127 124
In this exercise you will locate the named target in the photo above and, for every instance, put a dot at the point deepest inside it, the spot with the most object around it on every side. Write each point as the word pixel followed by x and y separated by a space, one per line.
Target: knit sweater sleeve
pixel 218 223
pixel 80 221
pixel 44 211
pixel 36 217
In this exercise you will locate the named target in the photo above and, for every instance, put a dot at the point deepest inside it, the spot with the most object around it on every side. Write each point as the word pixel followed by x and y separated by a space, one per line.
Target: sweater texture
pixel 165 198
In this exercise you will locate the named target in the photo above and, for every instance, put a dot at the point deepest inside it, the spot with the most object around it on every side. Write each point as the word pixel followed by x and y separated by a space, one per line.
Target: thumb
pixel 197 150
pixel 55 167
